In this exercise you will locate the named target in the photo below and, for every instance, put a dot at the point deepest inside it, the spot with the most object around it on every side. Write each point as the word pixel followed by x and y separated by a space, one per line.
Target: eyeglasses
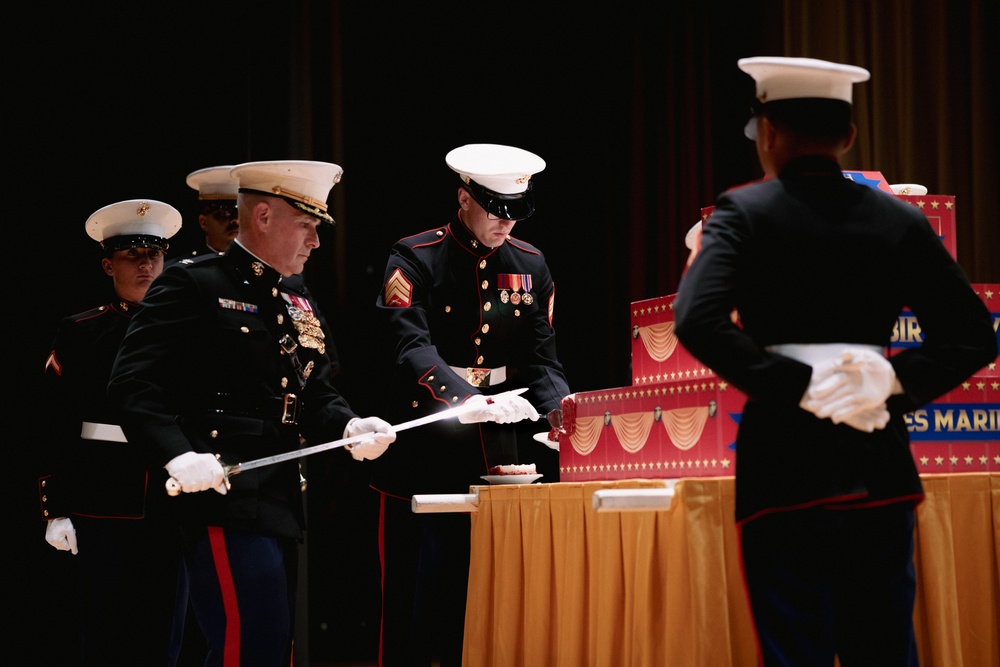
pixel 221 212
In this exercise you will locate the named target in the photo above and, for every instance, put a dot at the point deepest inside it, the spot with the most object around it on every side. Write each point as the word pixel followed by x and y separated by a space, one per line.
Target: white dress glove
pixel 379 435
pixel 197 472
pixel 61 534
pixel 502 409
pixel 852 389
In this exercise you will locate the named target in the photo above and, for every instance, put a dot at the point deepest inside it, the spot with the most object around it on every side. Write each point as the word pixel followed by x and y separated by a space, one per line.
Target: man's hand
pixel 379 432
pixel 852 389
pixel 195 472
pixel 502 409
pixel 61 534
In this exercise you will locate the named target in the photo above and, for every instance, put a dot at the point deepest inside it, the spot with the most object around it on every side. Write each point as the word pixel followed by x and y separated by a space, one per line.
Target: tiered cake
pixel 678 419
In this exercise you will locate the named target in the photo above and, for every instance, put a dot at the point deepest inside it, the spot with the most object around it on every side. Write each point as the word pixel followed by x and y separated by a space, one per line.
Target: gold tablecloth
pixel 554 583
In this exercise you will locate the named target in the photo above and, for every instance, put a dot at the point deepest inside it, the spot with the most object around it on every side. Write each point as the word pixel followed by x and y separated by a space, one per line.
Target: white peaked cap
pixel 792 78
pixel 214 182
pixel 908 189
pixel 150 220
pixel 505 170
pixel 304 184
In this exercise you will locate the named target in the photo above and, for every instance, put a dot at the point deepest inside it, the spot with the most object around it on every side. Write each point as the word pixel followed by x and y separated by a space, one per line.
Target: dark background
pixel 637 110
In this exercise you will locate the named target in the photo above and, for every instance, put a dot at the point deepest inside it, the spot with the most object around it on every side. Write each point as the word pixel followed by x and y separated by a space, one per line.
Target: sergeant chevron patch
pixel 398 291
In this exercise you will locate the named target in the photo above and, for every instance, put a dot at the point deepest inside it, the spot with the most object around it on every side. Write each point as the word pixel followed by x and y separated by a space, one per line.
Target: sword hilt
pixel 174 487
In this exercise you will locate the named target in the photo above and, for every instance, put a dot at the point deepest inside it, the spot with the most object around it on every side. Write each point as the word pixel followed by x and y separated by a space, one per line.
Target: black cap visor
pixel 509 207
pixel 127 241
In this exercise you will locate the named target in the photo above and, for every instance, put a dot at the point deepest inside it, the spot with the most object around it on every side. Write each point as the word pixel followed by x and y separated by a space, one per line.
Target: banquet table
pixel 553 582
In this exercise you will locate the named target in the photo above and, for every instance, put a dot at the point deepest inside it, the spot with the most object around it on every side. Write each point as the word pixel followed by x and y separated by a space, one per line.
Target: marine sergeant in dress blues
pixel 95 492
pixel 230 360
pixel 470 312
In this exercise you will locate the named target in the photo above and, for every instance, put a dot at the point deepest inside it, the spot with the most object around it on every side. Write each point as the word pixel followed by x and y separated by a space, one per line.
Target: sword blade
pixel 326 446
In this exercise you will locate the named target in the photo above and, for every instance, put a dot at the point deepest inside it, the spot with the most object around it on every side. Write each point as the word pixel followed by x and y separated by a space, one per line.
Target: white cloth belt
pixel 814 353
pixel 106 432
pixel 482 377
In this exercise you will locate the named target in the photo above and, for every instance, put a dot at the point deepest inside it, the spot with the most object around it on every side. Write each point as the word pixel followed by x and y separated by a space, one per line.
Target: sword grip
pixel 174 487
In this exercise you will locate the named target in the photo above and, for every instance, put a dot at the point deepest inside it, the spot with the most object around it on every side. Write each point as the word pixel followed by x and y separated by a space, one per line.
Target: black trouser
pixel 825 582
pixel 425 577
pixel 128 585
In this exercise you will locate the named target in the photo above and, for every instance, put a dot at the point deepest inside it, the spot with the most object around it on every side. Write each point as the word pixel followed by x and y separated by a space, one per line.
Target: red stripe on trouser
pixel 231 652
pixel 381 561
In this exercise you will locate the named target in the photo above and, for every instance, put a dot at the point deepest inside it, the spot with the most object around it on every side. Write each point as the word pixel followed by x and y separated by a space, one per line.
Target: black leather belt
pixel 285 408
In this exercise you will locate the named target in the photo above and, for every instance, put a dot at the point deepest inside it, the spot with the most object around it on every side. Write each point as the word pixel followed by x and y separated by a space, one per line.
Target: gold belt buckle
pixel 290 409
pixel 478 377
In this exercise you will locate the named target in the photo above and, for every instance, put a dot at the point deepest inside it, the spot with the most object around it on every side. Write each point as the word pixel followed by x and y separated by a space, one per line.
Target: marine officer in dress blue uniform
pixel 229 363
pixel 819 268
pixel 470 312
pixel 96 494
pixel 218 218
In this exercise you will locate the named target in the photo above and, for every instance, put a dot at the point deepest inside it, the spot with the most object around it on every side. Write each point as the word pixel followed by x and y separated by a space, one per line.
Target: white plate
pixel 511 479
pixel 544 439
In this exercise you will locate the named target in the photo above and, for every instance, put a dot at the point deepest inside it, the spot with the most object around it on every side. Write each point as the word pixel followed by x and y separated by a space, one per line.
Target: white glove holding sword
pixel 503 409
pixel 381 435
pixel 193 472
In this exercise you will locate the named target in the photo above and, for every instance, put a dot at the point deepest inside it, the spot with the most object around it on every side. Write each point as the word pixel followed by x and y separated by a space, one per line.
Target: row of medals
pixel 516 297
pixel 307 325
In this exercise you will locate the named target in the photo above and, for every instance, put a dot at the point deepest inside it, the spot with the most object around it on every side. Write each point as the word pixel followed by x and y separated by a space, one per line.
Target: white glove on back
pixel 197 472
pixel 379 432
pixel 502 409
pixel 61 534
pixel 853 389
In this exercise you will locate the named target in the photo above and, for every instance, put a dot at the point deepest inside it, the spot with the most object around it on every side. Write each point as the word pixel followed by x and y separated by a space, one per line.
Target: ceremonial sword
pixel 174 487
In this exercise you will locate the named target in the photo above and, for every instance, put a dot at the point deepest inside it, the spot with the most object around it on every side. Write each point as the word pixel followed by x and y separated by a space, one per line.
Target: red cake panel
pixel 685 428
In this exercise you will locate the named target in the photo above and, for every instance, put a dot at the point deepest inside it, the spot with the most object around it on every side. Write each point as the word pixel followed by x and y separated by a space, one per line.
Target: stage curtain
pixel 554 583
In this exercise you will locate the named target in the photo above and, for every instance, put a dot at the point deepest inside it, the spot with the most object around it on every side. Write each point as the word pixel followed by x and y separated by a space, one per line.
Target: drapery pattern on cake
pixel 659 340
pixel 684 427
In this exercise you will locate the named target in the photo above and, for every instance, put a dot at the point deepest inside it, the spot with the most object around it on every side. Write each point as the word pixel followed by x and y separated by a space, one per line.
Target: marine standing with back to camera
pixel 819 269
pixel 94 492
pixel 228 362
pixel 469 311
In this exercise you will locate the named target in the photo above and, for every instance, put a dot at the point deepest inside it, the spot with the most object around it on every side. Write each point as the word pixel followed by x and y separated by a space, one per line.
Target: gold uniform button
pixel 443 388
pixel 486 284
pixel 487 306
pixel 454 399
pixel 430 378
pixel 244 329
pixel 517 313
pixel 479 361
pixel 281 318
pixel 447 309
pixel 46 512
pixel 478 340
pixel 482 264
pixel 274 291
pixel 414 404
pixel 486 328
pixel 440 233
pixel 284 382
pixel 213 433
